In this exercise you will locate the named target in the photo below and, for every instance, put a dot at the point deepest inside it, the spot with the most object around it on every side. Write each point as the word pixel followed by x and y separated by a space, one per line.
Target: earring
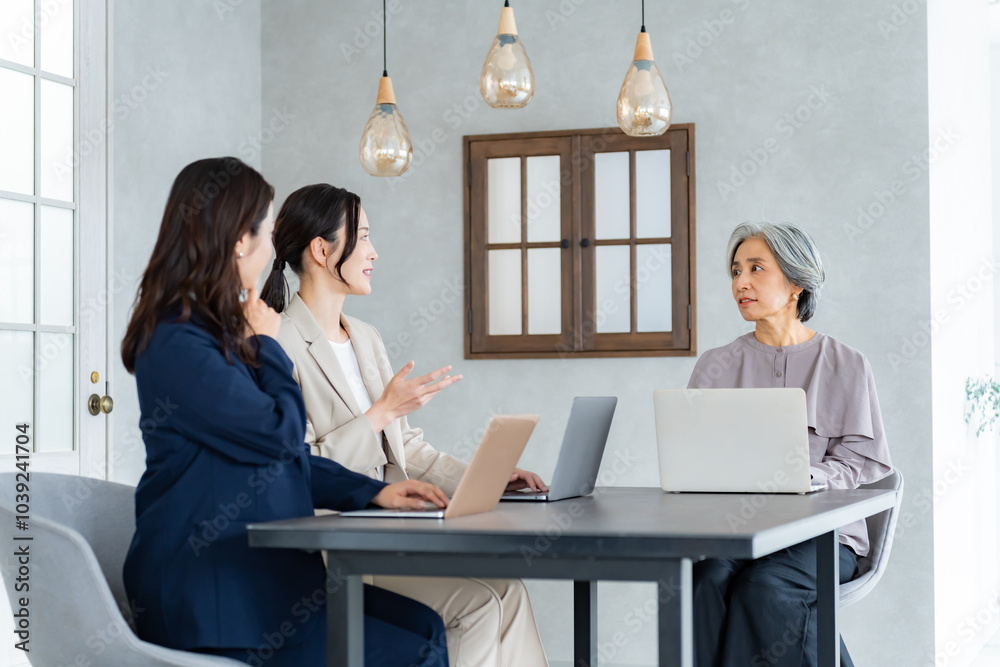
pixel 239 254
pixel 795 296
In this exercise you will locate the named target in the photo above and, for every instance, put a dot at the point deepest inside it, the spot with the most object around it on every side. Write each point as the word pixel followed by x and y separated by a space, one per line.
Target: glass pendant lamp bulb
pixel 507 80
pixel 385 148
pixel 644 108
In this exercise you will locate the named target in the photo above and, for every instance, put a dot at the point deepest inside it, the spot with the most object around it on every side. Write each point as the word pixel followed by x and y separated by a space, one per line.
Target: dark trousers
pixel 761 613
pixel 399 632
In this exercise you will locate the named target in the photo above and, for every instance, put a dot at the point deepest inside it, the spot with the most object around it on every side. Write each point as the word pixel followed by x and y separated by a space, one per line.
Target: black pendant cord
pixel 385 71
pixel 643 16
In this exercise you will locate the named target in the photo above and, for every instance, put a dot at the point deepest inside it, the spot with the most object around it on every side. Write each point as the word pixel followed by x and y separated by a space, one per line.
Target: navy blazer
pixel 225 447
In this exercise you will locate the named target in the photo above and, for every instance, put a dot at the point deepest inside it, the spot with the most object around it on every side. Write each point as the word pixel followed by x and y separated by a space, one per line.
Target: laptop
pixel 486 477
pixel 733 440
pixel 581 452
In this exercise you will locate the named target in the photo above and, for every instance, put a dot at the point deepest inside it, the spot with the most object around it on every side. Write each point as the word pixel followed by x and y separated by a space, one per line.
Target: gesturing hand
pixel 410 494
pixel 402 396
pixel 263 319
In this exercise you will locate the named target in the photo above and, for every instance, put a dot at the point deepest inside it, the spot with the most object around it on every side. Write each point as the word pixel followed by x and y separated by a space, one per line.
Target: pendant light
pixel 644 108
pixel 507 81
pixel 385 148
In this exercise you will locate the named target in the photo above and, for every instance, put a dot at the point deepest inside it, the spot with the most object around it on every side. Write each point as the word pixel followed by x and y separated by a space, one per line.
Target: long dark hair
pixel 314 210
pixel 212 204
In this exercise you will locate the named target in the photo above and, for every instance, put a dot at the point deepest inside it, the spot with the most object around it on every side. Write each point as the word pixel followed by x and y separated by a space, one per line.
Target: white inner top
pixel 348 360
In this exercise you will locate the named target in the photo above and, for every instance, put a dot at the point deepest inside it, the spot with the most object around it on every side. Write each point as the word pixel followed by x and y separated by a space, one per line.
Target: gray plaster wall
pixel 744 72
pixel 187 85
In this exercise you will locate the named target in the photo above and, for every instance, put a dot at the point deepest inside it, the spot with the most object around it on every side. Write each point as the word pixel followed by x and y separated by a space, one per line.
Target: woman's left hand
pixel 521 479
pixel 412 494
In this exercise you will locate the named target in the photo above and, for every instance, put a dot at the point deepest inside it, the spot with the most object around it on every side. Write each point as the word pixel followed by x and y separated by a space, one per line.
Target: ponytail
pixel 275 292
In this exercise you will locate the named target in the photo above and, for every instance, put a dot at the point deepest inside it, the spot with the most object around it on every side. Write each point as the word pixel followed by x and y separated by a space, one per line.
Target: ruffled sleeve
pixel 842 404
pixel 723 368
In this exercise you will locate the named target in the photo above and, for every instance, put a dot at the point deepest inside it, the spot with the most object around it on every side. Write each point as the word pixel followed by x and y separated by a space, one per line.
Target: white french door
pixel 54 301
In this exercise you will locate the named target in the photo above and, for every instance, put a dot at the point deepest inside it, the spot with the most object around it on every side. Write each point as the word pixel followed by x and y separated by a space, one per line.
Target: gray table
pixel 623 534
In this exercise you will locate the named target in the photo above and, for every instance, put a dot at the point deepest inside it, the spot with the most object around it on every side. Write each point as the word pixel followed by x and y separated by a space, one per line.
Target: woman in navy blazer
pixel 224 423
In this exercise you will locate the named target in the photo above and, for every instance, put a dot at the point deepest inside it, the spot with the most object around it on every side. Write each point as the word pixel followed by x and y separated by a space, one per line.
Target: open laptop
pixel 582 449
pixel 486 477
pixel 733 440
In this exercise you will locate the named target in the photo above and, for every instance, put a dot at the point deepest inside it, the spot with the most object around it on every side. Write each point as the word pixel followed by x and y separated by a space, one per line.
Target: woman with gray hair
pixel 763 612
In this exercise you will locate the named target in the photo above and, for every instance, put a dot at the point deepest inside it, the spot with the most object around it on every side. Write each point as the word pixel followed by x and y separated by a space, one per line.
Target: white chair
pixel 81 529
pixel 881 528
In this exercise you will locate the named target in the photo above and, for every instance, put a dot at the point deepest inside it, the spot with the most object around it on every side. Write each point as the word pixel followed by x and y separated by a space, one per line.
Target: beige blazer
pixel 336 428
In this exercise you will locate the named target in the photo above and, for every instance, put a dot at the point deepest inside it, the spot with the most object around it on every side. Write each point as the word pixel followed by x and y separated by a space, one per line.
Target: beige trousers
pixel 489 622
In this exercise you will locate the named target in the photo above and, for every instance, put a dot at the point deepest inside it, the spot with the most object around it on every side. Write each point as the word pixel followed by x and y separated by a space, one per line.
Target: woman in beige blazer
pixel 356 411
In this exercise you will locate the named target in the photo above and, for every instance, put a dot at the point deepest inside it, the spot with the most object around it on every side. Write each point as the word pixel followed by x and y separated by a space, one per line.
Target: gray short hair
pixel 797 256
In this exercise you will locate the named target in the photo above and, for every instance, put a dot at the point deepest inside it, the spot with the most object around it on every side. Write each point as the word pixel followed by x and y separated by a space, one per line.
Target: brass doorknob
pixel 98 404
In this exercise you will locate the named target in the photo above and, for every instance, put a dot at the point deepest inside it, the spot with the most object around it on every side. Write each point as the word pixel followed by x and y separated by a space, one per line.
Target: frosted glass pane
pixel 17 261
pixel 57 141
pixel 505 292
pixel 652 194
pixel 613 289
pixel 611 203
pixel 544 291
pixel 17 32
pixel 17 391
pixel 55 379
pixel 503 192
pixel 57 38
pixel 653 288
pixel 17 132
pixel 57 266
pixel 543 199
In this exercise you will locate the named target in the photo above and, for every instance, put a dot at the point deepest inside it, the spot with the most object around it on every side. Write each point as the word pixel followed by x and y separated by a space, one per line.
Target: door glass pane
pixel 611 202
pixel 613 289
pixel 505 292
pixel 653 285
pixel 18 390
pixel 18 31
pixel 57 141
pixel 57 38
pixel 57 266
pixel 652 194
pixel 55 379
pixel 17 261
pixel 17 132
pixel 544 291
pixel 543 199
pixel 503 193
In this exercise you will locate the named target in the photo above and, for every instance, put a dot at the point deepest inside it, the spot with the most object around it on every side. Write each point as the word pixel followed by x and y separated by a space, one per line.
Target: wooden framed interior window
pixel 580 244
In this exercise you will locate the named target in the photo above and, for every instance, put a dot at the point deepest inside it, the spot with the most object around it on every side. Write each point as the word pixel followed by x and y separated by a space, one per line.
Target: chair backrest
pixel 881 529
pixel 102 512
pixel 81 529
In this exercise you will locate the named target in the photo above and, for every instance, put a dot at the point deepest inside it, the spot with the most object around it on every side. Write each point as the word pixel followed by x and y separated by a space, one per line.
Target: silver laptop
pixel 486 477
pixel 581 452
pixel 733 440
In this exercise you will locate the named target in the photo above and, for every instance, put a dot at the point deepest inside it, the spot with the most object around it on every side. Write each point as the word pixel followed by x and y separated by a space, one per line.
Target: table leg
pixel 345 618
pixel 828 598
pixel 676 617
pixel 584 624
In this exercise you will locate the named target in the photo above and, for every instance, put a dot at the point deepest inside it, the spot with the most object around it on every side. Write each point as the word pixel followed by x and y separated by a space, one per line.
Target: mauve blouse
pixel 847 444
